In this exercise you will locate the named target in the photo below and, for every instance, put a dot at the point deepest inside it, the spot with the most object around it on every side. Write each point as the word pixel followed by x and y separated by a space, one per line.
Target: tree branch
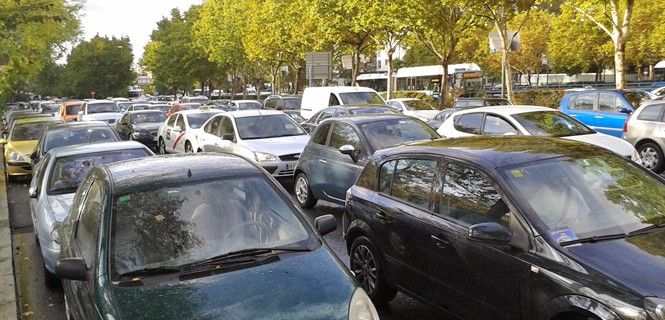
pixel 592 19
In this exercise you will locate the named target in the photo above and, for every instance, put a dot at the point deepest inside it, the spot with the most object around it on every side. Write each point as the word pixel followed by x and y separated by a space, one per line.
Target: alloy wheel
pixel 363 265
pixel 302 189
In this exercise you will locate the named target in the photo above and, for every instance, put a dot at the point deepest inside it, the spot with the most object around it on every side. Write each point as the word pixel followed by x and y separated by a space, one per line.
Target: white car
pixel 314 99
pixel 100 110
pixel 530 120
pixel 658 92
pixel 413 107
pixel 178 133
pixel 245 105
pixel 269 137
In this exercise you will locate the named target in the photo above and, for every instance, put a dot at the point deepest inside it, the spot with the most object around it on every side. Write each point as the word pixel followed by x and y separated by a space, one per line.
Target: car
pixel 27 115
pixel 473 221
pixel 282 102
pixel 100 110
pixel 206 225
pixel 340 147
pixel 69 110
pixel 53 186
pixel 605 111
pixel 333 112
pixel 645 129
pixel 182 107
pixel 658 92
pixel 244 105
pixel 21 143
pixel 72 133
pixel 530 120
pixel 200 100
pixel 269 137
pixel 124 105
pixel 141 126
pixel 314 99
pixel 178 134
pixel 139 106
pixel 413 107
pixel 51 108
pixel 480 102
pixel 160 106
pixel 295 115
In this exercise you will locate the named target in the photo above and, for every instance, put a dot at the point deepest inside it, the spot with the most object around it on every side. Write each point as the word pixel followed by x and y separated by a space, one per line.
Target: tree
pixel 534 37
pixel 646 42
pixel 612 17
pixel 101 65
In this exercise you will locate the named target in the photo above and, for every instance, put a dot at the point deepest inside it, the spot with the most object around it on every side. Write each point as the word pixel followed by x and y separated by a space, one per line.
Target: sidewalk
pixel 7 287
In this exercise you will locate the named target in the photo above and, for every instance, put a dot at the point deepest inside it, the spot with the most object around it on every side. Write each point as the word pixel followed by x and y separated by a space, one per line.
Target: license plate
pixel 290 166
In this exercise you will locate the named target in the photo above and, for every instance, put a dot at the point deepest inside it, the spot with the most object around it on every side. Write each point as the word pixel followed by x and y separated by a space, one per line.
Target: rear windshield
pixel 28 131
pixel 417 105
pixel 102 108
pixel 291 103
pixel 72 136
pixel 249 105
pixel 391 132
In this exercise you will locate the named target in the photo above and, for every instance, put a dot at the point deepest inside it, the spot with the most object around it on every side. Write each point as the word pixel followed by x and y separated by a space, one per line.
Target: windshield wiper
pixel 594 239
pixel 251 252
pixel 646 230
pixel 150 272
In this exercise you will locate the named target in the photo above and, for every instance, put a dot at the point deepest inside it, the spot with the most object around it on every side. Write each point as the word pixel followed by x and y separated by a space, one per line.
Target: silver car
pixel 55 182
pixel 645 129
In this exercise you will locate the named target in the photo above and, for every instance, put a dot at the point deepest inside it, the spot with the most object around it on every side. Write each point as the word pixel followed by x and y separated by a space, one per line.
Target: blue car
pixel 605 111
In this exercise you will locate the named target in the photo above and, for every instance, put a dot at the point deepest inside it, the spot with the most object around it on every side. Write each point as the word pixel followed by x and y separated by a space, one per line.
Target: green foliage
pixel 543 98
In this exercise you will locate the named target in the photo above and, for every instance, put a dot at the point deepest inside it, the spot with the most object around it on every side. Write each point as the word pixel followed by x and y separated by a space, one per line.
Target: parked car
pixel 645 129
pixel 334 112
pixel 102 110
pixel 413 107
pixel 179 132
pixel 234 105
pixel 161 107
pixel 25 115
pixel 340 148
pixel 467 224
pixel 69 111
pixel 58 135
pixel 605 111
pixel 51 108
pixel 139 106
pixel 530 120
pixel 194 227
pixel 281 102
pixel 314 99
pixel 269 137
pixel 200 100
pixel 21 143
pixel 54 184
pixel 467 103
pixel 141 126
pixel 658 91
pixel 182 107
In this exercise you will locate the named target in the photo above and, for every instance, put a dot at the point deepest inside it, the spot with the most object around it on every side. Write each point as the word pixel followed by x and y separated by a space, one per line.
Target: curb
pixel 7 281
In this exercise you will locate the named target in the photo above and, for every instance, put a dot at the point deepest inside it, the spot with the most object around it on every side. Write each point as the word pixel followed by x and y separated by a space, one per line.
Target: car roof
pixel 364 118
pixel 340 89
pixel 37 119
pixel 95 147
pixel 253 113
pixel 77 124
pixel 498 151
pixel 146 173
pixel 146 111
pixel 506 110
pixel 101 101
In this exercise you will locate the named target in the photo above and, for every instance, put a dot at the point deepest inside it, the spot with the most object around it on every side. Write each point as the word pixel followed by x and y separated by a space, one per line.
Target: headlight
pixel 15 156
pixel 55 233
pixel 361 307
pixel 141 133
pixel 655 308
pixel 261 156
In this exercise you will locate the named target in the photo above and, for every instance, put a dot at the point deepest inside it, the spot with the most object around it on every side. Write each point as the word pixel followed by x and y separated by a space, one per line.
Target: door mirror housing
pixel 33 192
pixel 325 224
pixel 625 110
pixel 72 269
pixel 490 232
pixel 350 151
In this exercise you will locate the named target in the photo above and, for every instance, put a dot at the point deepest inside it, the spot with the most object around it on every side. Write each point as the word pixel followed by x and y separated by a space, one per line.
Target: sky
pixel 135 19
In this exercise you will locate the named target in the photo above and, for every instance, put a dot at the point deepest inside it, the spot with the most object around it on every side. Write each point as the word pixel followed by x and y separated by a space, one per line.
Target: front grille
pixel 285 173
pixel 290 157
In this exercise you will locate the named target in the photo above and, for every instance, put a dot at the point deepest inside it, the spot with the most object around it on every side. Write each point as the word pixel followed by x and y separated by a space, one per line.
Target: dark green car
pixel 199 236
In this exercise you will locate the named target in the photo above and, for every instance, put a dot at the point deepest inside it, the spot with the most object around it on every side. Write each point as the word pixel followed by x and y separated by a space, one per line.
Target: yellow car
pixel 21 143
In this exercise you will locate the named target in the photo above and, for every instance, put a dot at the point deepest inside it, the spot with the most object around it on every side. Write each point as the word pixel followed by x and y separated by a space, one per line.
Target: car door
pixel 225 136
pixel 582 108
pixel 178 134
pixel 313 161
pixel 208 136
pixel 166 131
pixel 491 277
pixel 609 119
pixel 342 170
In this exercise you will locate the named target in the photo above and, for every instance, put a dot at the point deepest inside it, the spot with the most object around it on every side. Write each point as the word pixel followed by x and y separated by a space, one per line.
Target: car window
pixel 124 119
pixel 226 129
pixel 635 98
pixel 495 125
pixel 270 103
pixel 361 98
pixel 386 133
pixel 551 124
pixel 412 182
pixel 468 197
pixel 584 101
pixel 469 123
pixel 332 101
pixel 343 134
pixel 212 125
pixel 608 102
pixel 171 120
pixel 267 126
pixel 321 134
pixel 651 113
pixel 326 114
pixel 148 117
pixel 73 136
pixel 87 231
pixel 386 176
pixel 39 171
pixel 181 122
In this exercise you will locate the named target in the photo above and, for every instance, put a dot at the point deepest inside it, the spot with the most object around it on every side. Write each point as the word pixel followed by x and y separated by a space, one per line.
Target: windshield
pixel 203 220
pixel 72 136
pixel 249 105
pixel 73 110
pixel 292 103
pixel 361 98
pixel 146 117
pixel 636 98
pixel 297 117
pixel 196 120
pixel 391 132
pixel 102 107
pixel 68 172
pixel 551 124
pixel 270 126
pixel 417 105
pixel 28 131
pixel 589 196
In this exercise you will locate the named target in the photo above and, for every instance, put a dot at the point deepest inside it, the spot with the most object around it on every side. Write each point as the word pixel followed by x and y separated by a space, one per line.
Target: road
pixel 36 301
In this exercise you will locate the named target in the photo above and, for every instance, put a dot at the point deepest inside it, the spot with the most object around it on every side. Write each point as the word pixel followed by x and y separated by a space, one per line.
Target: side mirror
pixel 72 269
pixel 350 151
pixel 625 110
pixel 32 192
pixel 325 224
pixel 490 232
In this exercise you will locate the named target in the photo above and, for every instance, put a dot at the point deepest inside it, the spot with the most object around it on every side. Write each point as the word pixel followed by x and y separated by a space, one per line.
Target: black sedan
pixel 510 228
pixel 141 126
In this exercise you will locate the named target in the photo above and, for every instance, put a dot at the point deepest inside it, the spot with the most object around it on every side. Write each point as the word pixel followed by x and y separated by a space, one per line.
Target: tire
pixel 188 147
pixel 50 280
pixel 161 147
pixel 366 262
pixel 303 192
pixel 652 157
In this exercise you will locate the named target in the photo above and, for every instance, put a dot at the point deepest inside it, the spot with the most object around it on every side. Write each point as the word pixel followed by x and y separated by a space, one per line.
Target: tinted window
pixel 226 129
pixel 469 197
pixel 261 127
pixel 343 134
pixel 584 101
pixel 609 103
pixel 497 126
pixel 413 181
pixel 332 101
pixel 291 103
pixel 551 124
pixel 386 133
pixel 469 123
pixel 73 110
pixel 321 134
pixel 212 125
pixel 102 107
pixel 87 231
pixel 386 176
pixel 72 136
pixel 651 113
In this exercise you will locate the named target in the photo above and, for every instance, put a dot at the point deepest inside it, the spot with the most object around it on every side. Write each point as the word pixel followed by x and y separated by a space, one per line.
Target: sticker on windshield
pixel 563 235
pixel 517 173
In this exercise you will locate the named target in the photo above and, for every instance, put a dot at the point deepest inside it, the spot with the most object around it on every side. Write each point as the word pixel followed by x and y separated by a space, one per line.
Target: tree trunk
pixel 443 90
pixel 297 79
pixel 619 63
pixel 651 70
pixel 389 82
pixel 508 75
pixel 638 69
pixel 355 66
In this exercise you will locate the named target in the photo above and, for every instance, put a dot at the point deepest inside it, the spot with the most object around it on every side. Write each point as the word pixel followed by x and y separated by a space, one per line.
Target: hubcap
pixel 363 265
pixel 301 189
pixel 649 157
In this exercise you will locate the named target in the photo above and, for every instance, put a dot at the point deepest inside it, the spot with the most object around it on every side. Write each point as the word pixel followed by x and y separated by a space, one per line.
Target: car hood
pixel 25 148
pixel 278 146
pixel 307 286
pixel 150 126
pixel 102 116
pixel 60 204
pixel 619 146
pixel 636 262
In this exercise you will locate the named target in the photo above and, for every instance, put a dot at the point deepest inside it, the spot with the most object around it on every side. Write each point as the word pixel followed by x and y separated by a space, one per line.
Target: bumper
pixel 279 169
pixel 149 141
pixel 19 168
pixel 51 254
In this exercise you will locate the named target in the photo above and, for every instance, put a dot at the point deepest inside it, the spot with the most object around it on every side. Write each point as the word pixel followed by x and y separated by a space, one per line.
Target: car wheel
pixel 50 280
pixel 188 147
pixel 652 157
pixel 161 146
pixel 303 192
pixel 367 266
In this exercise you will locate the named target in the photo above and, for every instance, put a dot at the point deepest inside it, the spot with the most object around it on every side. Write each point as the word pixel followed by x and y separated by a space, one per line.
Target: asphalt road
pixel 36 301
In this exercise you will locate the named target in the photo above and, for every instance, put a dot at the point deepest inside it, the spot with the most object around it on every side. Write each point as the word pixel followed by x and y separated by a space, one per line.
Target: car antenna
pixel 189 173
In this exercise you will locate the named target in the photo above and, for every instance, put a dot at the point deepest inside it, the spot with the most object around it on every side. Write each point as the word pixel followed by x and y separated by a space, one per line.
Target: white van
pixel 314 99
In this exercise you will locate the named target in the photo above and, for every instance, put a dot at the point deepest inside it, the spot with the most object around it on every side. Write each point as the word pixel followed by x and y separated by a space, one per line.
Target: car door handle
pixel 383 217
pixel 323 161
pixel 440 242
